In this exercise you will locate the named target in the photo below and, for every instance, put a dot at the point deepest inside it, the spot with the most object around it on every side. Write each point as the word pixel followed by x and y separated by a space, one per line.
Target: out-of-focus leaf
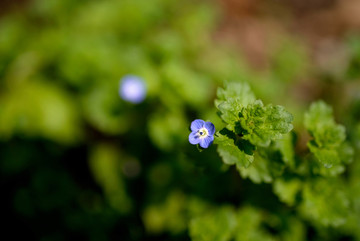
pixel 190 86
pixel 286 147
pixel 325 202
pixel 268 165
pixel 249 226
pixel 287 190
pixel 39 109
pixel 328 145
pixel 104 110
pixel 105 164
pixel 166 129
pixel 216 225
pixel 234 150
pixel 160 218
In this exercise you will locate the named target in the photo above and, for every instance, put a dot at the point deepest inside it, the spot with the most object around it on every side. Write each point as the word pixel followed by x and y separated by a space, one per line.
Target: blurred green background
pixel 78 162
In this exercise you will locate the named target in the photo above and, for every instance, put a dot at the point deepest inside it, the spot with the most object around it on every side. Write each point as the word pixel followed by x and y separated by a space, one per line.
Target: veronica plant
pixel 251 129
pixel 250 125
pixel 257 140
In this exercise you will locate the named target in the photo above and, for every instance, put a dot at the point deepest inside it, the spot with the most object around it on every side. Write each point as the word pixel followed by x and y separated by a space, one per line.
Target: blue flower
pixel 202 133
pixel 132 89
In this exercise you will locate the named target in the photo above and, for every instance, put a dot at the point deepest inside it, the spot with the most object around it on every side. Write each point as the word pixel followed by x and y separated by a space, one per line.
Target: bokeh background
pixel 78 162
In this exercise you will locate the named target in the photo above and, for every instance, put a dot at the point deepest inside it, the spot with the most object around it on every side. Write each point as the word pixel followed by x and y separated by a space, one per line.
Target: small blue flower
pixel 132 89
pixel 202 133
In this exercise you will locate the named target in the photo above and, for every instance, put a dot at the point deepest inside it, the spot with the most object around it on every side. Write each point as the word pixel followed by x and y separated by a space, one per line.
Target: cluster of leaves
pixel 328 144
pixel 249 124
pixel 256 139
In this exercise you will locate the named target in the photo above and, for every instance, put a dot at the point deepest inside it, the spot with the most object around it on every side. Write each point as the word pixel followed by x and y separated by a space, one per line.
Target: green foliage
pixel 106 168
pixel 250 124
pixel 215 225
pixel 261 124
pixel 231 100
pixel 246 223
pixel 249 118
pixel 325 202
pixel 51 115
pixel 78 162
pixel 227 224
pixel 267 166
pixel 234 150
pixel 158 218
pixel 287 190
pixel 328 145
pixel 250 227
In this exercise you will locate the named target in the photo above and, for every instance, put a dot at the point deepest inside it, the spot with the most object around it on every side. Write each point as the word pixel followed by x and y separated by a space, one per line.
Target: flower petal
pixel 197 124
pixel 207 141
pixel 194 138
pixel 210 127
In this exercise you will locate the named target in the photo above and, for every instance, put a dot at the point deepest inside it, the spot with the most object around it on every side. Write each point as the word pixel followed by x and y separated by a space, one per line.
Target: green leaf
pixel 164 128
pixel 229 112
pixel 249 118
pixel 287 148
pixel 39 109
pixel 258 172
pixel 319 168
pixel 106 168
pixel 328 145
pixel 267 165
pixel 231 100
pixel 260 124
pixel 216 225
pixel 344 155
pixel 234 150
pixel 159 217
pixel 325 202
pixel 294 230
pixel 250 226
pixel 236 91
pixel 287 190
pixel 319 114
pixel 328 157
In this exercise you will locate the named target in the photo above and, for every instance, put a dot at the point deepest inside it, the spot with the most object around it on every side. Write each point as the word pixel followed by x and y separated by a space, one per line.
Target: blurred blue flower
pixel 202 133
pixel 132 89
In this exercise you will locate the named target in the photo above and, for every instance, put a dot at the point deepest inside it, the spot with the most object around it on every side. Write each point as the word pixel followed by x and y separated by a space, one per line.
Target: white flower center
pixel 203 132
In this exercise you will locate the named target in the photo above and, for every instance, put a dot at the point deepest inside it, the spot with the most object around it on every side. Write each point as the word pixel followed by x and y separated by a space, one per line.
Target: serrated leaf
pixel 234 150
pixel 229 112
pixel 237 91
pixel 320 123
pixel 231 100
pixel 267 165
pixel 319 114
pixel 261 124
pixel 249 118
pixel 328 157
pixel 258 172
pixel 328 145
